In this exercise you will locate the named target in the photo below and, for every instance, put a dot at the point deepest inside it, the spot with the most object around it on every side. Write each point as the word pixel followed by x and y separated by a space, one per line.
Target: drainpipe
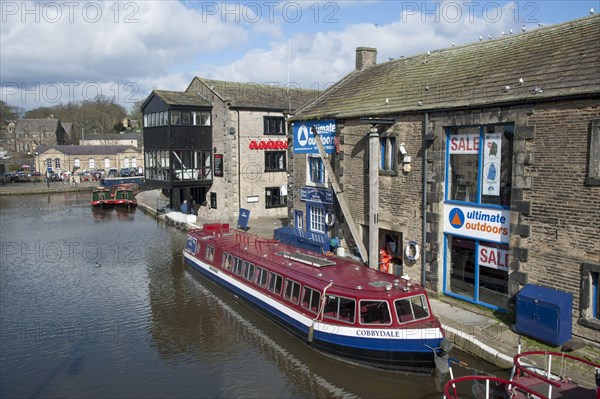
pixel 424 232
pixel 374 197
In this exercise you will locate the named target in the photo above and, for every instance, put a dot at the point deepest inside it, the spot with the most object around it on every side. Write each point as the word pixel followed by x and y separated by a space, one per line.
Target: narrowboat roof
pixel 306 267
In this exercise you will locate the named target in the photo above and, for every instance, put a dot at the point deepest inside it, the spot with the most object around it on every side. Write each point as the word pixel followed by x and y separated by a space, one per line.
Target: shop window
pixel 594 155
pixel 316 170
pixel 477 271
pixel 316 218
pixel 480 164
pixel 274 125
pixel 274 199
pixel 388 156
pixel 274 161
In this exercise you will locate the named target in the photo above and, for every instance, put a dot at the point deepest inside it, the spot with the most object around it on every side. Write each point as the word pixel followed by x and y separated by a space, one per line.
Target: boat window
pixel 275 283
pixel 227 261
pixel 374 312
pixel 262 276
pixel 249 272
pixel 339 308
pixel 238 266
pixel 311 299
pixel 411 308
pixel 292 291
pixel 210 253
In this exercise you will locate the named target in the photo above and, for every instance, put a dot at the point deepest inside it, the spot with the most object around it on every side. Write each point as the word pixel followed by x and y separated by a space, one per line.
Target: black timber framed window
pixel 275 161
pixel 274 199
pixel 593 178
pixel 274 125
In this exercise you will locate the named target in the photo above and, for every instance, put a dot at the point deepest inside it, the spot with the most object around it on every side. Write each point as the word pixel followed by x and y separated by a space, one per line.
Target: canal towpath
pixel 471 328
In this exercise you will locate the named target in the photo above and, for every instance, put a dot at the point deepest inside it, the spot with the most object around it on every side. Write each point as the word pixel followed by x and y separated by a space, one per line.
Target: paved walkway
pixel 471 328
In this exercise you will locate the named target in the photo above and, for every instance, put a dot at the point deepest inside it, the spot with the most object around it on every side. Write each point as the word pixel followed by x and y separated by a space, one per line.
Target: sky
pixel 54 52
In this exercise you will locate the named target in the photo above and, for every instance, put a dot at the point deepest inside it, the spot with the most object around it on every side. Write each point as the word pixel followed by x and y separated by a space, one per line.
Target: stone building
pixel 246 139
pixel 70 158
pixel 133 139
pixel 477 168
pixel 20 140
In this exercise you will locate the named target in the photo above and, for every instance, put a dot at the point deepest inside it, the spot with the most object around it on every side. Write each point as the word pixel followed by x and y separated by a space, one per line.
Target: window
pixel 133 162
pixel 311 299
pixel 590 295
pixel 238 266
pixel 316 170
pixel 125 162
pixel 374 312
pixel 275 283
pixel 316 218
pixel 292 291
pixel 249 271
pixel 77 162
pixel 412 308
pixel 146 120
pixel 106 163
pixel 262 276
pixel 388 157
pixel 596 295
pixel 478 271
pixel 274 125
pixel 274 161
pixel 175 117
pixel 49 163
pixel 274 199
pixel 479 164
pixel 91 163
pixel 186 118
pixel 339 308
pixel 594 158
pixel 57 163
pixel 227 261
pixel 210 253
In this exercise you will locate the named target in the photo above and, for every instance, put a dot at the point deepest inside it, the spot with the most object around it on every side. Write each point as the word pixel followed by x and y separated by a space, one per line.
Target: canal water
pixel 97 304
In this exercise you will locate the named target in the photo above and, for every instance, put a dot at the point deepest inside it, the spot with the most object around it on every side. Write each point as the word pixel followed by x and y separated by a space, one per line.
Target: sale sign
pixel 494 258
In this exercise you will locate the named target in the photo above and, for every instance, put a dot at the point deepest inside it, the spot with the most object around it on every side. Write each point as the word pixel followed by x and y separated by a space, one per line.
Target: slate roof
pixel 182 98
pixel 260 96
pixel 120 136
pixel 36 125
pixel 560 60
pixel 86 149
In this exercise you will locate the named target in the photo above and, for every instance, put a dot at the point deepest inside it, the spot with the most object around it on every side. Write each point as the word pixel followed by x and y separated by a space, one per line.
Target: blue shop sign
pixel 305 140
pixel 314 194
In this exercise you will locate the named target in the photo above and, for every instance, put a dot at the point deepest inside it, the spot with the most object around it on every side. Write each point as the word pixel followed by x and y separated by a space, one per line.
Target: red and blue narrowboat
pixel 334 304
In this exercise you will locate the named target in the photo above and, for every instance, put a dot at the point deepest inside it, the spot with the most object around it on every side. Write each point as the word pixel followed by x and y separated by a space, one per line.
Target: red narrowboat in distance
pixel 336 305
pixel 101 198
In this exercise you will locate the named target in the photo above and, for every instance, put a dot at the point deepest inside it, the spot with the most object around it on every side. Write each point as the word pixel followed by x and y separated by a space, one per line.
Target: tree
pixel 8 112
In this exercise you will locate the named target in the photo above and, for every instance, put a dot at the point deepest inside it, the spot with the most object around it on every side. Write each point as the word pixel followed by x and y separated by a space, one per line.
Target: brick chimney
pixel 365 57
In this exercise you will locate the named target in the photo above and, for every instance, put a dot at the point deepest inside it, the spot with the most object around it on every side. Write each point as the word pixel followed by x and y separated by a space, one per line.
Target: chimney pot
pixel 365 57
